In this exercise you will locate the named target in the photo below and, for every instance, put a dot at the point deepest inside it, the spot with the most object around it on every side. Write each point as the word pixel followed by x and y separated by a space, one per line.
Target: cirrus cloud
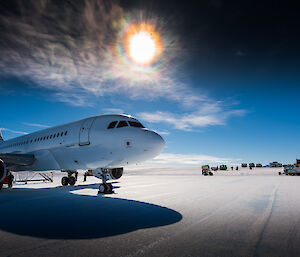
pixel 78 51
pixel 210 114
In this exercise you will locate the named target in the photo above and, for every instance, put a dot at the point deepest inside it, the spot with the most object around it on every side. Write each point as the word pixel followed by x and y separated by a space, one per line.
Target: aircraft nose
pixel 155 142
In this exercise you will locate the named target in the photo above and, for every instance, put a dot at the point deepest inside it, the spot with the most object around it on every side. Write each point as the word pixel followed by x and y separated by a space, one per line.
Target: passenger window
pixel 66 133
pixel 112 125
pixel 54 136
pixel 44 138
pixel 136 124
pixel 122 123
pixel 50 136
pixel 61 134
pixel 57 135
pixel 47 137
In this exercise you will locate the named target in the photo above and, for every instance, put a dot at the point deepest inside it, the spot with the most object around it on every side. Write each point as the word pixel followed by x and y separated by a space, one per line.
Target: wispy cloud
pixel 113 110
pixel 78 50
pixel 35 125
pixel 175 159
pixel 14 131
pixel 162 132
pixel 206 115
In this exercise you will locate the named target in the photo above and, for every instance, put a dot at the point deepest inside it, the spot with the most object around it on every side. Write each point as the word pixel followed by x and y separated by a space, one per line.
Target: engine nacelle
pixel 115 173
pixel 3 171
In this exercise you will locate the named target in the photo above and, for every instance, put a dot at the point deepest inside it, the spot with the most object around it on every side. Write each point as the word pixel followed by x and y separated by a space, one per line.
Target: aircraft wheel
pixel 210 173
pixel 72 181
pixel 279 173
pixel 65 181
pixel 109 188
pixel 102 189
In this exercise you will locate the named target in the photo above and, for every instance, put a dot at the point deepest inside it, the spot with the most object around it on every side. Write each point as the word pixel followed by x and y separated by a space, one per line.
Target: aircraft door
pixel 84 132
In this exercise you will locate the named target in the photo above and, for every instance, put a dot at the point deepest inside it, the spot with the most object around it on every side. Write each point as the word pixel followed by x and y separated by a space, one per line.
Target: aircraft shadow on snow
pixel 55 213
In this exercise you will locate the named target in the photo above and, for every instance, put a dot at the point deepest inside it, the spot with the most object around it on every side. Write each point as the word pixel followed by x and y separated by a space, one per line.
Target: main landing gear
pixel 104 188
pixel 70 179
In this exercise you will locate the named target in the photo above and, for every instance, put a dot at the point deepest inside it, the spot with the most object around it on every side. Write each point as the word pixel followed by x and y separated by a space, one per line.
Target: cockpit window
pixel 112 125
pixel 122 123
pixel 135 124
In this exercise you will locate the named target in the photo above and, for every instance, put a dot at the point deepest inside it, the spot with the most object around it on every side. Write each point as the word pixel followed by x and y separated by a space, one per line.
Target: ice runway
pixel 156 212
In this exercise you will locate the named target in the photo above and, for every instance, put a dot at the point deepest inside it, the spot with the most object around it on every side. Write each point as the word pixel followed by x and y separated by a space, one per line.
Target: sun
pixel 142 47
pixel 143 44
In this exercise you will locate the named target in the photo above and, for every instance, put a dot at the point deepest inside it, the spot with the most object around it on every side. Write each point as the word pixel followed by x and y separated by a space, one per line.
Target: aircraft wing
pixel 12 159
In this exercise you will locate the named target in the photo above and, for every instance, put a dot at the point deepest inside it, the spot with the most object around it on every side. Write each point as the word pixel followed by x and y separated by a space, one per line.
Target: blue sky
pixel 214 99
pixel 266 130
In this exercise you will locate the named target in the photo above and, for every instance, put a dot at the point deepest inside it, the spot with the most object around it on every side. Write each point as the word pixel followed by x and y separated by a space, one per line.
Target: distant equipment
pixel 25 177
pixel 206 171
pixel 292 169
pixel 275 165
pixel 251 165
pixel 214 168
pixel 223 167
pixel 258 165
pixel 205 167
pixel 244 165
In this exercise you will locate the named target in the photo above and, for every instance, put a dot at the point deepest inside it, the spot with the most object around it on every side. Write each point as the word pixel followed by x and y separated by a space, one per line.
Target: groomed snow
pixel 156 212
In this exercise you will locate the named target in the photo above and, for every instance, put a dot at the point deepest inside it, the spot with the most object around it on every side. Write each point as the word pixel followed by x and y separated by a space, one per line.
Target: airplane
pixel 102 143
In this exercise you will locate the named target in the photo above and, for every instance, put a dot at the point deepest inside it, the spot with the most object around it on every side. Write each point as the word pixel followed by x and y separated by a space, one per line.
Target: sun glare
pixel 142 47
pixel 143 44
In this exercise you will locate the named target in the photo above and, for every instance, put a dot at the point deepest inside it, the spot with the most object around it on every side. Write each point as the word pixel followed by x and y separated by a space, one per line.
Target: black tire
pixel 279 173
pixel 72 181
pixel 102 189
pixel 109 187
pixel 210 173
pixel 65 181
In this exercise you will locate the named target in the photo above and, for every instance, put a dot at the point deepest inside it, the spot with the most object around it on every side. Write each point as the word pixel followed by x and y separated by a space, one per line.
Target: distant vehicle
pixel 291 170
pixel 214 168
pixel 206 171
pixel 275 164
pixel 244 165
pixel 223 167
pixel 258 165
pixel 251 165
pixel 205 167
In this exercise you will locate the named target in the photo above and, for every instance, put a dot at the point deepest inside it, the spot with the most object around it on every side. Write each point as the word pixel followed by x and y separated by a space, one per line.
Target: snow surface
pixel 155 212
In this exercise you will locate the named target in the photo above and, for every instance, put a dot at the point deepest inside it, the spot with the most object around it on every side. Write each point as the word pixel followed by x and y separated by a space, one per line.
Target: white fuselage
pixel 87 144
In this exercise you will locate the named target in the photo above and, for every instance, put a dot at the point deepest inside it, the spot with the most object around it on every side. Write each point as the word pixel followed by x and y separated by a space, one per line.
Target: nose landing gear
pixel 104 188
pixel 70 179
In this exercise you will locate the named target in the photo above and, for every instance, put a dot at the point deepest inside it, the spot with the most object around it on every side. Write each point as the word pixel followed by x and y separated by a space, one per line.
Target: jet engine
pixel 3 171
pixel 115 173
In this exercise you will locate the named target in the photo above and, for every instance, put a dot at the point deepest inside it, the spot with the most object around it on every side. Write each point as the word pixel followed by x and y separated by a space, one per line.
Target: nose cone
pixel 155 143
